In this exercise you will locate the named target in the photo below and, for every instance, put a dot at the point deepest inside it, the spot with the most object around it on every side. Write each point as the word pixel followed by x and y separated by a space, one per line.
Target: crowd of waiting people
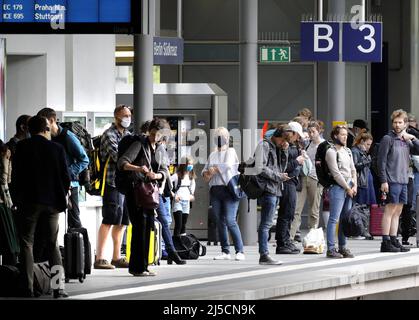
pixel 41 163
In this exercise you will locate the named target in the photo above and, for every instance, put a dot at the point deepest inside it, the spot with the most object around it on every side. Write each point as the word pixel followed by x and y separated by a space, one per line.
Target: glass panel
pixel 101 124
pixel 80 119
pixel 124 79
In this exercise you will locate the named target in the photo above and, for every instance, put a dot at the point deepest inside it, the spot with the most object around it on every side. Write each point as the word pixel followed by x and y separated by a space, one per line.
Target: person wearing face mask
pixel 42 180
pixel 77 160
pixel 221 166
pixel 147 159
pixel 340 162
pixel 114 211
pixel 184 188
pixel 362 161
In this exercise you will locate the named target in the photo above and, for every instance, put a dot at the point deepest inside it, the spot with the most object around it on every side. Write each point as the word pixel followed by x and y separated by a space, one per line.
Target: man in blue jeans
pixel 267 166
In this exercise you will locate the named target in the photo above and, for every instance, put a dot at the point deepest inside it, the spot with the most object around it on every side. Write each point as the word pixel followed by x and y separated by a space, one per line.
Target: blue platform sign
pixel 168 51
pixel 46 10
pixel 319 41
pixel 362 43
pixel 110 12
pixel 18 11
pixel 82 11
pixel 70 16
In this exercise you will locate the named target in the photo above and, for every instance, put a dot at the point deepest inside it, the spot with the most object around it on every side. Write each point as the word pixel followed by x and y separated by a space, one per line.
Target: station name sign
pixel 70 16
pixel 168 51
pixel 341 41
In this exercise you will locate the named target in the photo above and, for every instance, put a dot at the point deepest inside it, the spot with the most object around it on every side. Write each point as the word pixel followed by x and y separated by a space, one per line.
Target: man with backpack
pixel 77 160
pixel 393 164
pixel 290 162
pixel 270 179
pixel 114 210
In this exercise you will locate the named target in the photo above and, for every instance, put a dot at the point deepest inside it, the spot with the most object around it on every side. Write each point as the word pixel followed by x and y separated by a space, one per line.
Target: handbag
pixel 146 192
pixel 233 185
pixel 147 195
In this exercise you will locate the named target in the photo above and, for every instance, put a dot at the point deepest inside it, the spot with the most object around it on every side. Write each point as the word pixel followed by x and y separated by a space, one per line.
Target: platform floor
pixel 299 277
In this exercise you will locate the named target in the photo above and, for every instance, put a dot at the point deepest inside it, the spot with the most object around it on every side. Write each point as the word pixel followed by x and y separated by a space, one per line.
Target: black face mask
pixel 220 141
pixel 338 142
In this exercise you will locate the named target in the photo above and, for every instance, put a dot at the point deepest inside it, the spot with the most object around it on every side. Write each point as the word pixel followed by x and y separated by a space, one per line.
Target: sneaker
pixel 223 256
pixel 406 243
pixel 289 248
pixel 297 238
pixel 143 274
pixel 103 264
pixel 120 263
pixel 59 293
pixel 265 259
pixel 333 253
pixel 240 256
pixel 397 244
pixel 346 253
pixel 387 246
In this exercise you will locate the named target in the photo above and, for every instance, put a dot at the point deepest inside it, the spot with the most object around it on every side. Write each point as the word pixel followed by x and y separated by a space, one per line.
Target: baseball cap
pixel 360 124
pixel 296 127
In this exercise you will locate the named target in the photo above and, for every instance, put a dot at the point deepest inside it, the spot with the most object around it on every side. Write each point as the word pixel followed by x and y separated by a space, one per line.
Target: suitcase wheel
pixel 81 279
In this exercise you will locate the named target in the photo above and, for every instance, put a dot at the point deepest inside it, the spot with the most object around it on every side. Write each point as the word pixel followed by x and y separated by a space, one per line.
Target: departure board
pixel 76 16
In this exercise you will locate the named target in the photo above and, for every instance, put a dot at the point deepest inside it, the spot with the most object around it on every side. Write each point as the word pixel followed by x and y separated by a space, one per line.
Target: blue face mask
pixel 189 167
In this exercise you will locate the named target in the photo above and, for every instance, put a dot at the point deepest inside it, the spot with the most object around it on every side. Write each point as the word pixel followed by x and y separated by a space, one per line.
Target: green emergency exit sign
pixel 275 54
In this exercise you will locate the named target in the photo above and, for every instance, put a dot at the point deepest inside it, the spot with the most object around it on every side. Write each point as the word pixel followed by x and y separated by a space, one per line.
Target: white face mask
pixel 126 122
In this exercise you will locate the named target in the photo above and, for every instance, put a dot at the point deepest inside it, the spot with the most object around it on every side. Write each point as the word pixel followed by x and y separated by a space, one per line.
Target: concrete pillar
pixel 248 105
pixel 337 74
pixel 414 36
pixel 143 66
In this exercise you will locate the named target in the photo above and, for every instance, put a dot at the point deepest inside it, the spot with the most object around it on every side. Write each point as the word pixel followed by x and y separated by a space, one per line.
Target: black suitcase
pixel 87 249
pixel 74 256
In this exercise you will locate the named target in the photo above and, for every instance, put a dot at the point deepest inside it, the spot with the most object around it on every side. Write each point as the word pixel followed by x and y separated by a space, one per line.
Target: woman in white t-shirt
pixel 311 191
pixel 221 166
pixel 184 188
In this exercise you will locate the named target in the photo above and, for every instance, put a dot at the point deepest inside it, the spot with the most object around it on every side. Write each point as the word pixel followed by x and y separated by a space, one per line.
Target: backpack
pixel 97 170
pixel 11 280
pixel 86 141
pixel 41 279
pixel 188 247
pixel 353 222
pixel 252 185
pixel 124 179
pixel 322 169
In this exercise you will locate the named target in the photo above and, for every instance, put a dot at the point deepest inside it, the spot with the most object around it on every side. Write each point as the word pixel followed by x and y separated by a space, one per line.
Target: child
pixel 183 188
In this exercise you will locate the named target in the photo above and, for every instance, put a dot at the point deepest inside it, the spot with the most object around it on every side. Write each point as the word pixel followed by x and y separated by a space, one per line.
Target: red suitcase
pixel 376 216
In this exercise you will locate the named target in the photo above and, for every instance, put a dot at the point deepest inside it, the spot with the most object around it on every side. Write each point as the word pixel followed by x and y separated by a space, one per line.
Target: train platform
pixel 302 276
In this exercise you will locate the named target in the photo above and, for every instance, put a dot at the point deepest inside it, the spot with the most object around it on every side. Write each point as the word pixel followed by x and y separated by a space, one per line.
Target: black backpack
pixel 353 222
pixel 188 247
pixel 322 169
pixel 124 179
pixel 253 185
pixel 41 279
pixel 86 141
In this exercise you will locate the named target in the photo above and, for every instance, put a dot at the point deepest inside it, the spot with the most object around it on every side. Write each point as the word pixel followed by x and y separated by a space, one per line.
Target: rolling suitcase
pixel 87 249
pixel 74 257
pixel 376 217
pixel 155 250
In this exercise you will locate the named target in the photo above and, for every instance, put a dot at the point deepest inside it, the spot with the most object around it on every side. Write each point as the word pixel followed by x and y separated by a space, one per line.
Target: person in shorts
pixel 114 211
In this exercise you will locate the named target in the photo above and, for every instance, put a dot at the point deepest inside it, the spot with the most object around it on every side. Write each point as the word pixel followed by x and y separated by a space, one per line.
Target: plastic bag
pixel 313 242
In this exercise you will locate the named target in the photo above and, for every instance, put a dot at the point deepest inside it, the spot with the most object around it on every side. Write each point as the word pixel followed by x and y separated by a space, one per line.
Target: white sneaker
pixel 223 256
pixel 240 256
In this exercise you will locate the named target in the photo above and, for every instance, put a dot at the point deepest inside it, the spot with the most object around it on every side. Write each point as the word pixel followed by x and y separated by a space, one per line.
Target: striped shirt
pixel 109 149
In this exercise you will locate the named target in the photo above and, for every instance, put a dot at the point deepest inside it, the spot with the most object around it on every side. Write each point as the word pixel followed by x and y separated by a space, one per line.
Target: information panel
pixel 73 16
